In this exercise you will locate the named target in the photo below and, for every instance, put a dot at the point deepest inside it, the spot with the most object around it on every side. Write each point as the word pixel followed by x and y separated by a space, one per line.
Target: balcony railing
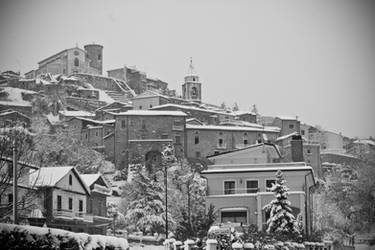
pixel 69 214
pixel 230 191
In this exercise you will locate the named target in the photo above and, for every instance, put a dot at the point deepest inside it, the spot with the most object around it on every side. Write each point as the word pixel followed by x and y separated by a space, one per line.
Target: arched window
pixel 76 62
pixel 194 92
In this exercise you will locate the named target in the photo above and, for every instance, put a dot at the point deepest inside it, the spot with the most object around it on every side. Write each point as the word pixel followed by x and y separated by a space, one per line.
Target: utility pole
pixel 15 198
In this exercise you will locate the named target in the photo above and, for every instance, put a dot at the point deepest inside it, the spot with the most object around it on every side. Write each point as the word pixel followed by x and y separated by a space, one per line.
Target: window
pixel 291 126
pixel 80 205
pixel 96 133
pixel 86 136
pixel 196 139
pixel 164 136
pixel 76 53
pixel 302 132
pixel 143 124
pixel 123 124
pixel 70 180
pixel 229 187
pixel 234 217
pixel 140 107
pixel 245 142
pixel 100 57
pixel 269 184
pixel 76 62
pixel 220 142
pixel 309 151
pixel 150 105
pixel 252 186
pixel 70 203
pixel 197 154
pixel 10 198
pixel 59 203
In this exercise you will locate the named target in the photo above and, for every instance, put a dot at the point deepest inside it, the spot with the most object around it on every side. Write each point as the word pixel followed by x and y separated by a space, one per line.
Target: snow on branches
pixel 281 220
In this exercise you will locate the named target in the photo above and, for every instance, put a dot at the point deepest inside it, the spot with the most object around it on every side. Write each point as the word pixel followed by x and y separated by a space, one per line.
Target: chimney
pixel 297 148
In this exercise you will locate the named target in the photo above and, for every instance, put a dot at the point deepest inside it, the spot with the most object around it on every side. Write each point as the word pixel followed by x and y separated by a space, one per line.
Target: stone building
pixel 287 125
pixel 205 140
pixel 74 60
pixel 98 135
pixel 138 80
pixel 144 132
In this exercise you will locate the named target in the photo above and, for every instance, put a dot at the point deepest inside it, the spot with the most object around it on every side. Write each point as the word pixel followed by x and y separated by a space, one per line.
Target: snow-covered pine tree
pixel 281 220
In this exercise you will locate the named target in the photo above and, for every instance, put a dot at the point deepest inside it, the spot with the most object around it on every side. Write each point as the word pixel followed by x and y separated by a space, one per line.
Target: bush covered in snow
pixel 29 237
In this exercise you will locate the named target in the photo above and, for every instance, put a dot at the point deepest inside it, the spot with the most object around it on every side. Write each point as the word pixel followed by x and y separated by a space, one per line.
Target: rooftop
pixel 232 128
pixel 50 176
pixel 151 113
pixel 76 113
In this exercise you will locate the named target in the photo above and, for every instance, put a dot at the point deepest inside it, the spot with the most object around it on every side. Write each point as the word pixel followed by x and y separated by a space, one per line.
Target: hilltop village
pixel 125 118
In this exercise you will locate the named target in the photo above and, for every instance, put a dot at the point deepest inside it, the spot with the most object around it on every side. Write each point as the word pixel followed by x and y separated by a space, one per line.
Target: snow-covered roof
pixel 290 118
pixel 185 107
pixel 14 97
pixel 240 168
pixel 150 93
pixel 89 179
pixel 78 113
pixel 190 120
pixel 365 141
pixel 152 113
pixel 104 122
pixel 104 97
pixel 243 112
pixel 53 119
pixel 50 176
pixel 241 123
pixel 227 153
pixel 286 136
pixel 10 111
pixel 230 128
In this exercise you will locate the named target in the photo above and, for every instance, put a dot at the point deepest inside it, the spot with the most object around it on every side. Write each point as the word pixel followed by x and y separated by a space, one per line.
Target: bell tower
pixel 192 88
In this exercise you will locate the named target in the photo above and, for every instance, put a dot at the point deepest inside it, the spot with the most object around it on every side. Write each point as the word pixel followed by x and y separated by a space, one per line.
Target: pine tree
pixel 281 221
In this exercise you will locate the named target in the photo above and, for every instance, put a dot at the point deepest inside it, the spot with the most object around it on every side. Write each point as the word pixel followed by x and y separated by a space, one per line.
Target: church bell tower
pixel 192 88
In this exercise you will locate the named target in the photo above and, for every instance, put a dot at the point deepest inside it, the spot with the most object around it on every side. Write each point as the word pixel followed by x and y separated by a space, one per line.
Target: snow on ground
pixel 137 246
pixel 94 241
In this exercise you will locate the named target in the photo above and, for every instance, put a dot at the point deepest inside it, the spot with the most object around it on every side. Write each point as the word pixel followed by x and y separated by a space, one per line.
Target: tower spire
pixel 191 67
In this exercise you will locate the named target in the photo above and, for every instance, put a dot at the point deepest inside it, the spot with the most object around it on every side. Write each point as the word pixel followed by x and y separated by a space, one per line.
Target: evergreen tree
pixel 281 222
pixel 146 209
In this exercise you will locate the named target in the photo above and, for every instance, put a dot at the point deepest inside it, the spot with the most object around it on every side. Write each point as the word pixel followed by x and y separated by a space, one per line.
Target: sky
pixel 311 59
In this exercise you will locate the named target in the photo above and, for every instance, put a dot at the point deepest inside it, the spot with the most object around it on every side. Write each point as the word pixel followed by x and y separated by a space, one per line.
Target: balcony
pixel 71 215
pixel 233 191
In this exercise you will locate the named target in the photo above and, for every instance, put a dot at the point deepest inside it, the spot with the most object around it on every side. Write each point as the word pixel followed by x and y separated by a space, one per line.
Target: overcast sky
pixel 314 59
